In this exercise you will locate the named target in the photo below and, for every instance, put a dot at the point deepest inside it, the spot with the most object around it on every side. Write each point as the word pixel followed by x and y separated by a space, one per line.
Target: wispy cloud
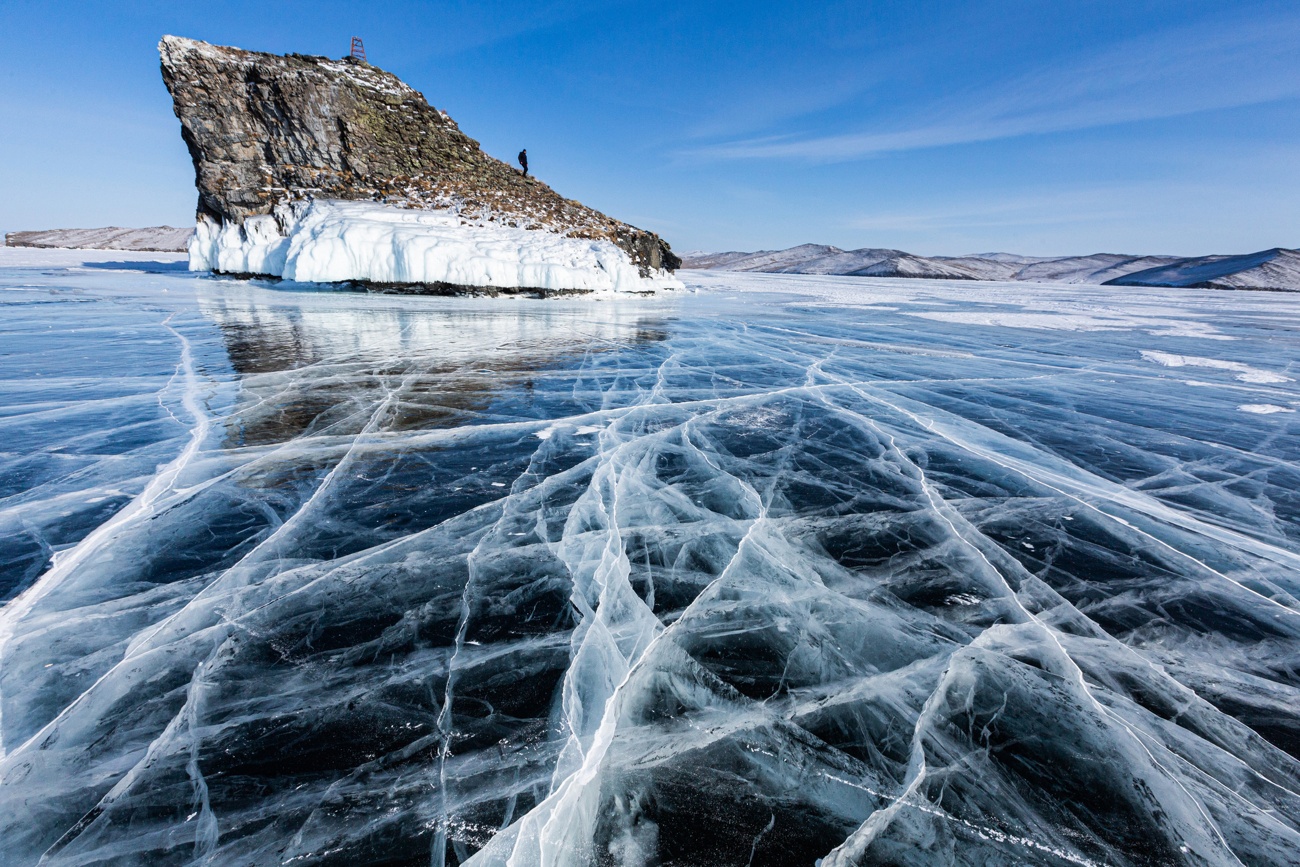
pixel 1172 73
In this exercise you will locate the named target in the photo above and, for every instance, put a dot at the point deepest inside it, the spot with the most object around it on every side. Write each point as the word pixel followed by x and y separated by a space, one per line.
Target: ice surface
pixel 331 241
pixel 781 571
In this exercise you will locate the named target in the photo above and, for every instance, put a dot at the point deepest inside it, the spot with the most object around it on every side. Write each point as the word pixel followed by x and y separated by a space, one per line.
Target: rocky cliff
pixel 264 130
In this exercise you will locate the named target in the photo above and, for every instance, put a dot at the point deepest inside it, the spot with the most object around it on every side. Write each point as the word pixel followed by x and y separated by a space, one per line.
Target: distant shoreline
pixel 1273 270
pixel 151 239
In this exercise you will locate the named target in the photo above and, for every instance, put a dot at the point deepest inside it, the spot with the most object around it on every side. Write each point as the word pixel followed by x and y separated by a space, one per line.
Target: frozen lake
pixel 775 570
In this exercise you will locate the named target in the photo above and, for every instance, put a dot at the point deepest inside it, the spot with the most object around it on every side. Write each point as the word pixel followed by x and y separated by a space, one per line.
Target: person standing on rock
pixel 523 160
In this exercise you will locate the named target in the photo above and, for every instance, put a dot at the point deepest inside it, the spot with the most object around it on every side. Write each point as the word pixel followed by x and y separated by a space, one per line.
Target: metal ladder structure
pixel 358 49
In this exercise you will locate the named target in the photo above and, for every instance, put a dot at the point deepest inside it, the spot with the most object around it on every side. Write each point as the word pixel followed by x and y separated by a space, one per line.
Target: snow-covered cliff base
pixel 336 241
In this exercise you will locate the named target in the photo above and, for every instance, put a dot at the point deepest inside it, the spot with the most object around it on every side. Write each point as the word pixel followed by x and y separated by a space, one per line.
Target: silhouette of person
pixel 523 160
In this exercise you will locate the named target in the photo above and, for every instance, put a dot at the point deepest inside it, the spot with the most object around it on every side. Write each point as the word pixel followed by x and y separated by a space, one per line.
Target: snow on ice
pixel 334 241
pixel 774 573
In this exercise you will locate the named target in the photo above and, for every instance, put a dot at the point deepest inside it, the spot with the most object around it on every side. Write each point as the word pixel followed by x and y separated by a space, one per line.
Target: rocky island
pixel 323 170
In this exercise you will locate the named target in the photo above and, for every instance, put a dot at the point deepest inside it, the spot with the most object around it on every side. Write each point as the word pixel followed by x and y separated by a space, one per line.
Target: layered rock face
pixel 266 130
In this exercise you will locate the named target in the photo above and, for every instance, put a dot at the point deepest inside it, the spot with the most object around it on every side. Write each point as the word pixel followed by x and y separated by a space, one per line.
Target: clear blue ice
pixel 775 570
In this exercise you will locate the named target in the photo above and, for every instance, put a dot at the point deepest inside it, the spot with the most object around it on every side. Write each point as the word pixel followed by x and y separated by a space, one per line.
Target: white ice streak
pixel 1243 372
pixel 1263 408
pixel 160 487
pixel 327 241
pixel 1173 797
pixel 1066 320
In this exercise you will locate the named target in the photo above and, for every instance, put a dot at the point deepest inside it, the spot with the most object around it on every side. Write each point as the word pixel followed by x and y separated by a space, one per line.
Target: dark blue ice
pixel 779 570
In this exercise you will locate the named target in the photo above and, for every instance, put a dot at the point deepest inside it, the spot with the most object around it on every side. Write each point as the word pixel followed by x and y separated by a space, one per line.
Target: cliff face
pixel 263 129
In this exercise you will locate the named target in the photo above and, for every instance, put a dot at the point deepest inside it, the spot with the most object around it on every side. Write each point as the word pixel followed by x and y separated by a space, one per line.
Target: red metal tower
pixel 358 49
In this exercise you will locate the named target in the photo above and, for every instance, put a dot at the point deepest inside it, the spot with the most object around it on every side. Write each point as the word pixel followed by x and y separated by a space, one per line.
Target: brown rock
pixel 263 129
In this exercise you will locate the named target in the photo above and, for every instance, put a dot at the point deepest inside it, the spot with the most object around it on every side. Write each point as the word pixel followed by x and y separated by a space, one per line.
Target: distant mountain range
pixel 156 239
pixel 1275 270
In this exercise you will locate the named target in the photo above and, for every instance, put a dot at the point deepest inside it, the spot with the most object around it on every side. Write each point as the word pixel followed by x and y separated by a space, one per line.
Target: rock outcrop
pixel 265 130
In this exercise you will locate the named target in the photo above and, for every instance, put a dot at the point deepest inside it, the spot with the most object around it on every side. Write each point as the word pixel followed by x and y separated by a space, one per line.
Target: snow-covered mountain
pixel 706 260
pixel 907 265
pixel 843 261
pixel 989 268
pixel 1097 268
pixel 167 239
pixel 1276 269
pixel 779 261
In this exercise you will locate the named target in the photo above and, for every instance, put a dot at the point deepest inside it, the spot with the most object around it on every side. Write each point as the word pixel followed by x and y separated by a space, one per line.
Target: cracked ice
pixel 787 570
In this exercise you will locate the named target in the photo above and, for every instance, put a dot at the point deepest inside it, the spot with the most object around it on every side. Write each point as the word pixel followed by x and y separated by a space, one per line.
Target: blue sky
pixel 935 127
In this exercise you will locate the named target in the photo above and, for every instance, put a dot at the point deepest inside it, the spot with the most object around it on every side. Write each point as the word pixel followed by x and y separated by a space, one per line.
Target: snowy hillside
pixel 780 261
pixel 987 267
pixel 843 261
pixel 1271 269
pixel 1097 268
pixel 1275 269
pixel 167 239
pixel 905 265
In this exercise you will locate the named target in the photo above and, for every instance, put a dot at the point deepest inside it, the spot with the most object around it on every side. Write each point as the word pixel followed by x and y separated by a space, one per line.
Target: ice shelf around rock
pixel 324 241
pixel 334 170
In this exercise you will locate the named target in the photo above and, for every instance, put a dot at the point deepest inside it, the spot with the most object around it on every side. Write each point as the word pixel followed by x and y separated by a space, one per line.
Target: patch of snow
pixel 1264 408
pixel 326 241
pixel 369 77
pixel 1244 372
pixel 583 430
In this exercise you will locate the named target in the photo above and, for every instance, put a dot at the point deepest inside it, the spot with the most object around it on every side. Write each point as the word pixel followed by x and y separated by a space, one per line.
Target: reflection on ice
pixel 736 578
pixel 320 363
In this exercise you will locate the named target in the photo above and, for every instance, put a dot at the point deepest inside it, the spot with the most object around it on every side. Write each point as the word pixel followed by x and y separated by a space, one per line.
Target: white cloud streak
pixel 1169 74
